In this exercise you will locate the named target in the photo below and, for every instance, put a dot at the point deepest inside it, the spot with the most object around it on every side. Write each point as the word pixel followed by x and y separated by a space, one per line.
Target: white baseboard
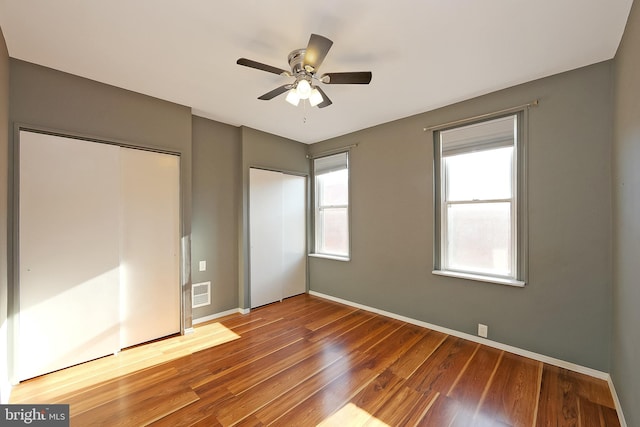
pixel 500 346
pixel 616 400
pixel 221 314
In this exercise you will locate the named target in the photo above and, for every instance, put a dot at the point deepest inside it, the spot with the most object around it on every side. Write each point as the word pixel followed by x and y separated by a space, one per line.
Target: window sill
pixel 479 278
pixel 333 257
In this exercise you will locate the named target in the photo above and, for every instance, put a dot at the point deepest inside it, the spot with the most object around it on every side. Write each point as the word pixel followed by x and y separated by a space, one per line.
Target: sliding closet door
pixel 99 250
pixel 294 235
pixel 150 246
pixel 278 236
pixel 265 233
pixel 69 252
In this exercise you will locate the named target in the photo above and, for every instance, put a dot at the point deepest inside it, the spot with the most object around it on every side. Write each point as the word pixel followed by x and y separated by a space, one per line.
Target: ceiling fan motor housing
pixel 298 70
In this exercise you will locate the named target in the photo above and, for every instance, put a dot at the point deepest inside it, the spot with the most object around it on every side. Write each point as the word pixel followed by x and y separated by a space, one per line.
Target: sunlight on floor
pixel 49 388
pixel 351 415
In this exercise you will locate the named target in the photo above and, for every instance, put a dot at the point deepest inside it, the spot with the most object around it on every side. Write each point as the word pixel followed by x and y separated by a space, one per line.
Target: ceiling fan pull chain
pixel 304 111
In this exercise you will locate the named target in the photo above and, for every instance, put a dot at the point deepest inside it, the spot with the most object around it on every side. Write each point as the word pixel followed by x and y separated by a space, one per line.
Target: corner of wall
pixel 5 386
pixel 263 150
pixel 625 348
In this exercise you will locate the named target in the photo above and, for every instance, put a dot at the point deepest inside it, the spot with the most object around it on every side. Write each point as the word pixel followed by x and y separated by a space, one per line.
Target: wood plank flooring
pixel 307 361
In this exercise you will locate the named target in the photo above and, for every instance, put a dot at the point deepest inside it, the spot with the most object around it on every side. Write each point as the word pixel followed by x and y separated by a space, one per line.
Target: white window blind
pixel 479 136
pixel 327 164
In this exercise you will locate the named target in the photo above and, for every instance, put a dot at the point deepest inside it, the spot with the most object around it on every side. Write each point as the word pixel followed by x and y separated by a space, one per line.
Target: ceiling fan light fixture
pixel 303 88
pixel 315 98
pixel 293 98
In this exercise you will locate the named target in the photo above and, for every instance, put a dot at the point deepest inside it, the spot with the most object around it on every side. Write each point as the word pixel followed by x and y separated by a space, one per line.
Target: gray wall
pixel 43 97
pixel 265 151
pixel 216 161
pixel 214 223
pixel 626 221
pixel 4 155
pixel 565 309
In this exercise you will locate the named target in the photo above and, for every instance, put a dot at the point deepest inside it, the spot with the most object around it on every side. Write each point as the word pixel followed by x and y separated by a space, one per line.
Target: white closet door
pixel 277 228
pixel 150 246
pixel 69 252
pixel 294 241
pixel 265 233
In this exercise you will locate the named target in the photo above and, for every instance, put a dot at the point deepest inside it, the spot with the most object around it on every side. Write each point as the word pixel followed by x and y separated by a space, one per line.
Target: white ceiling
pixel 424 54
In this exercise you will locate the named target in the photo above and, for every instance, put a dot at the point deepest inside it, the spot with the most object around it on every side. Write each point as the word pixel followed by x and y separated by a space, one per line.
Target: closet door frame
pixel 13 213
pixel 306 222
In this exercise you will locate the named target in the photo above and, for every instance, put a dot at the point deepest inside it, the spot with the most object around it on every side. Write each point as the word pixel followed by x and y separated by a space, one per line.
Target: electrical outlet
pixel 203 265
pixel 483 330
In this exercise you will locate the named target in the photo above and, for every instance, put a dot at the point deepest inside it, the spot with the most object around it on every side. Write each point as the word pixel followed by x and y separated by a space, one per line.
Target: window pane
pixel 333 231
pixel 481 175
pixel 333 188
pixel 479 238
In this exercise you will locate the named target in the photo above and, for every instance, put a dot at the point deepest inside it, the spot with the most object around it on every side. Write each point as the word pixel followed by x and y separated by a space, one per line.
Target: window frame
pixel 317 224
pixel 518 200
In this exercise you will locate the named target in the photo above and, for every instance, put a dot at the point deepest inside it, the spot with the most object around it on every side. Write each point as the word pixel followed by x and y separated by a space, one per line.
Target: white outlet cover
pixel 483 330
pixel 203 265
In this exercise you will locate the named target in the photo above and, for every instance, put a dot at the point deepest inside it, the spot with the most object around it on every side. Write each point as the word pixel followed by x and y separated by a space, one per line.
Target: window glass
pixel 479 238
pixel 333 188
pixel 334 238
pixel 479 175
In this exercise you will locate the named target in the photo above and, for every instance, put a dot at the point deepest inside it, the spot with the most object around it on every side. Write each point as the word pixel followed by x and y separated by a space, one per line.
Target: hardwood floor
pixel 307 361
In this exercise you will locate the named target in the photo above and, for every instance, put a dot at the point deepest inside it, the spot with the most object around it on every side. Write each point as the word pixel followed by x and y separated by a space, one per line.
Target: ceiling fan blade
pixel 260 66
pixel 325 99
pixel 277 91
pixel 356 77
pixel 317 49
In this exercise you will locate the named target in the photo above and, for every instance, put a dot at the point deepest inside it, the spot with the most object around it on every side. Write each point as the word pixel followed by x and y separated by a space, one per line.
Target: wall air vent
pixel 200 294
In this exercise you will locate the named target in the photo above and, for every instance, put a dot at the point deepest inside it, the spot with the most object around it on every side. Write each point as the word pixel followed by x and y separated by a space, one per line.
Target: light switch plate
pixel 203 265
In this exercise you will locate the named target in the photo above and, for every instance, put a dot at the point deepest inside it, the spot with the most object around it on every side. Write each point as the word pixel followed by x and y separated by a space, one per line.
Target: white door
pixel 150 242
pixel 69 253
pixel 265 234
pixel 99 250
pixel 277 230
pixel 294 239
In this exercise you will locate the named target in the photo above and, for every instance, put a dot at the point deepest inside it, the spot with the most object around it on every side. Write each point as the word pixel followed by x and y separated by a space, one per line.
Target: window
pixel 331 175
pixel 479 210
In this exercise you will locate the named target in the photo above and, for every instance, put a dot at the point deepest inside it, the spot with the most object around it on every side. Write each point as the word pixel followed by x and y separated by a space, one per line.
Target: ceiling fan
pixel 304 65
